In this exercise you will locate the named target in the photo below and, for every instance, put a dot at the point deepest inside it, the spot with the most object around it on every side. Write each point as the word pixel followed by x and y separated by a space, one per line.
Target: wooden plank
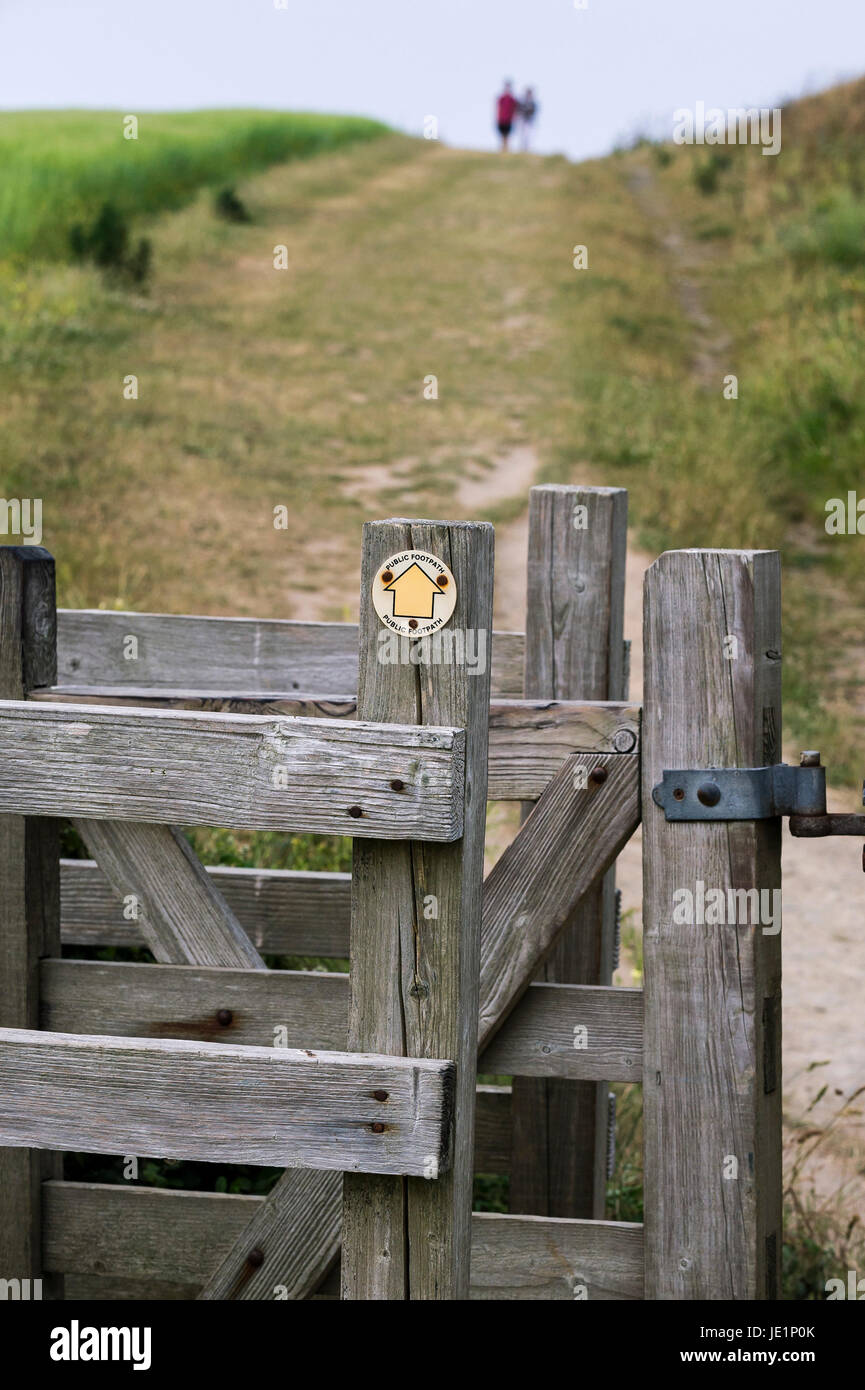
pixel 219 1102
pixel 415 934
pixel 532 1257
pixel 131 1235
pixel 155 872
pixel 29 895
pixel 283 911
pixel 579 1032
pixel 297 1008
pixel 232 770
pixel 578 540
pixel 528 739
pixel 230 653
pixel 267 1008
pixel 567 843
pixel 712 1121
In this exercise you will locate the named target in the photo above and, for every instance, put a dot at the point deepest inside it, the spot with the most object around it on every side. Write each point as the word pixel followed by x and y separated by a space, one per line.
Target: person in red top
pixel 506 108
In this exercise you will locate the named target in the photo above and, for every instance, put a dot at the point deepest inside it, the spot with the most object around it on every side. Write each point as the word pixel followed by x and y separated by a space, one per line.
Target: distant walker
pixel 507 107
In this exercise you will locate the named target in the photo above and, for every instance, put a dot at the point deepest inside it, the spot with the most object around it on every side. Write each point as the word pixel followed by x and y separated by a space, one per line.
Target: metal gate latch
pixel 756 793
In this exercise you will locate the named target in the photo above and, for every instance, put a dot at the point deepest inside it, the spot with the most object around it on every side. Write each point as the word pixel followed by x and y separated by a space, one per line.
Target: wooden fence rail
pixel 363 1084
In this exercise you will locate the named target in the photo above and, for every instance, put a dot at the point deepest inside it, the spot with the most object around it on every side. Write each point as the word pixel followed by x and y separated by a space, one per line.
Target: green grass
pixel 60 166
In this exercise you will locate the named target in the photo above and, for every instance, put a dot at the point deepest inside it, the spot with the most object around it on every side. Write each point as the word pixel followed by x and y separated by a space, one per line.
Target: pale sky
pixel 600 73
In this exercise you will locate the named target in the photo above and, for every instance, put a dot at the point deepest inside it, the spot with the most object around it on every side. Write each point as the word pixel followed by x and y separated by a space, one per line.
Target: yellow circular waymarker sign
pixel 414 593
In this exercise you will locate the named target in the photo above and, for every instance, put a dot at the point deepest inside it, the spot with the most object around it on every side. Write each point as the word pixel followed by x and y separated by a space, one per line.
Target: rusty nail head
pixel 255 1258
pixel 679 793
pixel 224 1017
pixel 386 577
pixel 442 581
pixel 598 775
pixel 708 794
pixel 377 1127
pixel 397 785
pixel 810 758
pixel 412 622
pixel 379 1095
pixel 355 811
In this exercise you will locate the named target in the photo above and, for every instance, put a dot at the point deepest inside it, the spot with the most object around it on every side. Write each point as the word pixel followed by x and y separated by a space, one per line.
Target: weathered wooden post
pixel 574 651
pixel 416 918
pixel 29 897
pixel 712 1074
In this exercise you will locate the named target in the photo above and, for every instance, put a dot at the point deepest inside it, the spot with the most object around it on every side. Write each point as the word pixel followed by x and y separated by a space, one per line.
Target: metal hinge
pixel 755 793
pixel 742 793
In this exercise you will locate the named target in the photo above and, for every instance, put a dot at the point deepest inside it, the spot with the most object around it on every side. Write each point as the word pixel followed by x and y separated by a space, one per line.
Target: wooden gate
pixel 134 724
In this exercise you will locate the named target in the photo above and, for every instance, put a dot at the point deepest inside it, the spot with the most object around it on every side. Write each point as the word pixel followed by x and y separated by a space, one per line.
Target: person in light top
pixel 528 112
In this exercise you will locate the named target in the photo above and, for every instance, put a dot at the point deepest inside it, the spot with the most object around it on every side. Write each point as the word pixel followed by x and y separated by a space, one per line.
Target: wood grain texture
pixel 155 871
pixel 112 1235
pixel 283 911
pixel 29 895
pixel 220 769
pixel 267 1008
pixel 211 1102
pixel 563 848
pixel 301 1008
pixel 415 935
pixel 574 650
pixel 533 1257
pixel 228 654
pixel 539 1037
pixel 528 739
pixel 710 1055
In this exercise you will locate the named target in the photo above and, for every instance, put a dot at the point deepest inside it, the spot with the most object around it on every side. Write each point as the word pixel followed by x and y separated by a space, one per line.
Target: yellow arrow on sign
pixel 414 593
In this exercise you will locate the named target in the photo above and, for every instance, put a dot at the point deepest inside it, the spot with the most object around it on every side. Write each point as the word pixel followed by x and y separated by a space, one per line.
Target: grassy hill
pixel 58 166
pixel 259 386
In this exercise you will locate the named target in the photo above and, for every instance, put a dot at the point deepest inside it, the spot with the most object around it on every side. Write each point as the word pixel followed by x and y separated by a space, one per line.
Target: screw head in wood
pixel 224 1018
pixel 397 785
pixel 386 576
pixel 598 775
pixel 379 1095
pixel 679 793
pixel 255 1258
pixel 377 1127
pixel 355 811
pixel 708 794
